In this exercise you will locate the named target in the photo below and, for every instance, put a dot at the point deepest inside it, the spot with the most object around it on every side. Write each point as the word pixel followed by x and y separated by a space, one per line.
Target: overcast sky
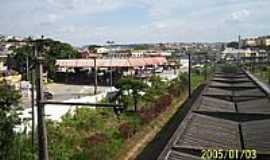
pixel 81 22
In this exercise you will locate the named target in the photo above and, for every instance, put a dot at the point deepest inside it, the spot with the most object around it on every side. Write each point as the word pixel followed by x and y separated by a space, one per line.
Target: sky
pixel 82 22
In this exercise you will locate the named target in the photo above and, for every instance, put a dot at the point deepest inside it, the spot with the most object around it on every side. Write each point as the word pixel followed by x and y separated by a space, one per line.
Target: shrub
pixel 97 138
pixel 156 108
pixel 127 130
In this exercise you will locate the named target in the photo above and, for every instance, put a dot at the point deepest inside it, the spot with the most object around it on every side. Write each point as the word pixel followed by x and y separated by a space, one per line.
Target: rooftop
pixel 232 112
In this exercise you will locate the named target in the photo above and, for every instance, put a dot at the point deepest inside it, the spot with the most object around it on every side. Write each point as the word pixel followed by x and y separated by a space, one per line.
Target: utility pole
pixel 268 68
pixel 111 80
pixel 110 43
pixel 205 68
pixel 27 67
pixel 33 101
pixel 95 74
pixel 238 54
pixel 189 75
pixel 42 132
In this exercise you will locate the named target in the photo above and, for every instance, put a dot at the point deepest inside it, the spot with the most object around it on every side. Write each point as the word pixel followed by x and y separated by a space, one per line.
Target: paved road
pixel 63 92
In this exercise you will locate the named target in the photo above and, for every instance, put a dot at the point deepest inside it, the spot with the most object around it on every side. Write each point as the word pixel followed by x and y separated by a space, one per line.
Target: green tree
pixel 18 59
pixel 50 49
pixel 158 88
pixel 133 86
pixel 233 45
pixel 57 50
pixel 9 118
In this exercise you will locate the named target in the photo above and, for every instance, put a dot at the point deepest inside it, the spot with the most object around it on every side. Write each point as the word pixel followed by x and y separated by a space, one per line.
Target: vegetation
pixel 51 50
pixel 98 133
pixel 262 73
pixel 229 68
pixel 233 45
pixel 141 47
pixel 9 100
pixel 130 87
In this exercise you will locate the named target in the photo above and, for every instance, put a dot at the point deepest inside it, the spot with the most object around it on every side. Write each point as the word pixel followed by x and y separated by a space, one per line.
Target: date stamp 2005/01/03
pixel 230 154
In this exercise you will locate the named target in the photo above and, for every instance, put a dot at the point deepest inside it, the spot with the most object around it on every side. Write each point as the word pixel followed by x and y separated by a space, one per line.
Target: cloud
pixel 96 21
pixel 238 16
pixel 85 6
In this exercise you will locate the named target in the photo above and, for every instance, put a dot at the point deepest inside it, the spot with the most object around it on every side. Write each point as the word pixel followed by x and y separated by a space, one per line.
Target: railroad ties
pixel 232 112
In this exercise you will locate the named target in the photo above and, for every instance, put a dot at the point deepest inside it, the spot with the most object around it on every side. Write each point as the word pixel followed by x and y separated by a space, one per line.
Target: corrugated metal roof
pixel 137 62
pixel 220 133
pixel 114 62
pixel 229 118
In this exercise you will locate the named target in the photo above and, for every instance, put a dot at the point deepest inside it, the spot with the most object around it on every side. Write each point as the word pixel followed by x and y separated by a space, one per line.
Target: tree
pixel 9 118
pixel 233 45
pixel 141 47
pixel 133 86
pixel 158 88
pixel 50 49
pixel 2 37
pixel 19 58
pixel 57 50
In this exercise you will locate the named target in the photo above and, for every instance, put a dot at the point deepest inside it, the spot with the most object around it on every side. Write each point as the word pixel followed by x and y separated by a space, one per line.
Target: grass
pixel 196 80
pixel 100 134
pixel 146 134
pixel 262 73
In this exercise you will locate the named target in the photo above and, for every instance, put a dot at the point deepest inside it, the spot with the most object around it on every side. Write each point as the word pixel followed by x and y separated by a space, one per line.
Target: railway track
pixel 230 115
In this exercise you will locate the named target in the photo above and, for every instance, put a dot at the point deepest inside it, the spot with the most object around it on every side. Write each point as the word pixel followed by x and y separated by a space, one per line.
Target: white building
pixel 102 50
pixel 137 53
pixel 163 54
pixel 247 55
pixel 250 42
pixel 266 41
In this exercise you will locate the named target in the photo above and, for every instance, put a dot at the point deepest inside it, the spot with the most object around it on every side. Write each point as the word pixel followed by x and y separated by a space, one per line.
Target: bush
pixel 127 130
pixel 148 114
pixel 103 146
pixel 229 68
pixel 97 138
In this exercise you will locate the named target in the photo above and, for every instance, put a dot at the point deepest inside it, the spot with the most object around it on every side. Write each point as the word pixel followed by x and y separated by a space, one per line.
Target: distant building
pixel 250 42
pixel 265 41
pixel 3 59
pixel 87 54
pixel 259 41
pixel 157 53
pixel 248 55
pixel 102 50
pixel 137 53
pixel 11 78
